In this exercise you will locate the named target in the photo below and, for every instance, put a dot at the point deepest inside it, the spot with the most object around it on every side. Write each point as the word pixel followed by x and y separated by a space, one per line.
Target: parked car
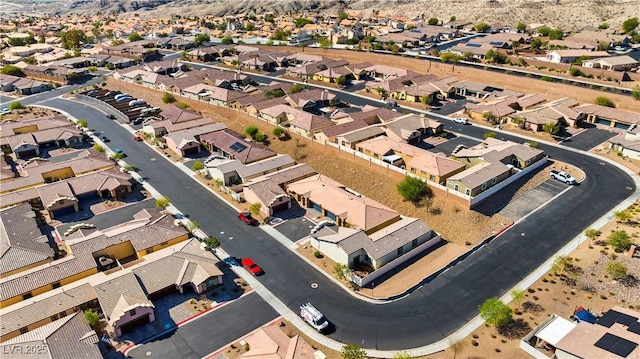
pixel 5 111
pixel 117 150
pixel 121 95
pixel 251 266
pixel 111 117
pixel 246 218
pixel 104 138
pixel 138 138
pixel 124 98
pixel 313 316
pixel 563 177
pixel 112 93
pixel 232 262
pixel 392 104
pixel 461 120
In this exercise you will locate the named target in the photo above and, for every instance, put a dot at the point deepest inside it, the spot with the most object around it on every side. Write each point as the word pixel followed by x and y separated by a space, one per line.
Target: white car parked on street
pixel 461 120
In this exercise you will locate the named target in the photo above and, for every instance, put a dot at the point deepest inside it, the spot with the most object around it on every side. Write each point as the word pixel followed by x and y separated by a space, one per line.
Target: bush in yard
pixel 278 132
pixel 413 189
pixel 252 131
pixel 82 123
pixel 353 351
pixel 98 148
pixel 318 254
pixel 183 105
pixel 619 240
pixel 168 98
pixel 162 202
pixel 604 101
pixel 92 317
pixel 341 270
pixel 16 105
pixel 129 168
pixel 212 242
pixel 616 270
pixel 116 156
pixel 197 166
pixel 495 312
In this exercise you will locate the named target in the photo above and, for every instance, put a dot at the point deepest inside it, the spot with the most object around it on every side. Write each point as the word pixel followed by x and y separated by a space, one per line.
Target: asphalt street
pixel 430 313
pixel 209 332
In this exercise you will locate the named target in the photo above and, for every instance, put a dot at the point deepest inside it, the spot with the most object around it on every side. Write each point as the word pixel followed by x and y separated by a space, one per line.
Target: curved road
pixel 430 313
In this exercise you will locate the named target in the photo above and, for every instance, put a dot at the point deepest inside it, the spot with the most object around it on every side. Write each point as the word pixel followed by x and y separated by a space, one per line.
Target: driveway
pixel 533 199
pixel 589 138
pixel 209 332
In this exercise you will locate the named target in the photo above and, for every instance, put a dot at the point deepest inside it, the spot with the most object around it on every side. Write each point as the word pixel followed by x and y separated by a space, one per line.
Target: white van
pixel 313 316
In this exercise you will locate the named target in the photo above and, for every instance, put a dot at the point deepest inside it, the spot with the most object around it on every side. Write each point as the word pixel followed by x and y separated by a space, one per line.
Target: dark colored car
pixel 251 266
pixel 111 117
pixel 246 218
pixel 105 138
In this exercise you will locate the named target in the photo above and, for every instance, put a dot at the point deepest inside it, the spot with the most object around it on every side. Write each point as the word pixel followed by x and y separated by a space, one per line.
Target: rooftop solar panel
pixel 616 345
pixel 474 45
pixel 612 316
pixel 238 147
pixel 634 328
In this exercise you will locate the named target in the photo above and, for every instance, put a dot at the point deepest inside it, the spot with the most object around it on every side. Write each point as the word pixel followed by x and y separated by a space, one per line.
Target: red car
pixel 246 218
pixel 251 266
pixel 137 138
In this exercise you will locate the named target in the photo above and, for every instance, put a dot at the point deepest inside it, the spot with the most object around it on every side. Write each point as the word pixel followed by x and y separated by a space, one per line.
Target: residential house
pixel 476 89
pixel 33 313
pixel 608 115
pixel 30 144
pixel 22 244
pixel 615 334
pixel 233 172
pixel 498 107
pixel 478 178
pixel 556 113
pixel 85 251
pixel 259 109
pixel 187 142
pixel 612 63
pixel 351 139
pixel 71 334
pixel 232 145
pixel 203 54
pixel 627 143
pixel 569 56
pixel 59 74
pixel 411 128
pixel 138 76
pixel 509 153
pixel 7 81
pixel 312 99
pixel 175 119
pixel 340 204
pixel 142 50
pixel 477 50
pixel 272 342
pixel 383 72
pixel 354 247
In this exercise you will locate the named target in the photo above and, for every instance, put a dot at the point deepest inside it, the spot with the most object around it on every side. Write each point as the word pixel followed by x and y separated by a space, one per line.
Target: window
pixel 132 312
pixel 413 170
pixel 23 330
pixel 149 250
pixel 456 187
pixel 62 314
pixel 468 192
pixel 54 317
pixel 484 186
pixel 493 181
pixel 55 285
pixel 399 251
pixel 27 296
pixel 414 243
pixel 432 178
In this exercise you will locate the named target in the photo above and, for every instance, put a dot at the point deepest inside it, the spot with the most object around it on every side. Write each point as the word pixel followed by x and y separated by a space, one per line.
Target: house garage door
pixel 134 323
pixel 316 206
pixel 162 292
pixel 27 153
pixel 190 151
pixel 62 211
pixel 280 207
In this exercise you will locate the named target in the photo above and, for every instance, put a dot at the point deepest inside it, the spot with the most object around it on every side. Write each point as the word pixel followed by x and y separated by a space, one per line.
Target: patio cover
pixel 557 329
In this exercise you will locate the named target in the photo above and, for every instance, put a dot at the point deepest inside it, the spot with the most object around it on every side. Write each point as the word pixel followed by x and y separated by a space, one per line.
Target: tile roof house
pixel 569 56
pixel 56 340
pixel 230 144
pixel 187 142
pixel 499 107
pixel 411 128
pixel 233 172
pixel 608 115
pixel 478 178
pixel 511 153
pixel 22 243
pixel 612 63
pixel 555 113
pixel 627 143
pixel 27 145
pixel 354 247
pixel 315 98
pixel 271 342
pixel 175 119
pixel 31 313
pixel 342 205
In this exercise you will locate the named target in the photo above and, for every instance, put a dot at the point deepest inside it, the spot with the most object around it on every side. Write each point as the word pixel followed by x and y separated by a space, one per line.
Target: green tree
pixel 222 26
pixel 12 70
pixel 490 117
pixel 518 296
pixel 495 312
pixel 92 68
pixel 201 38
pixel 521 27
pixel 197 166
pixel 116 42
pixel 592 234
pixel 92 317
pixel 452 19
pixel 278 132
pixel 135 37
pixel 252 131
pixel 280 35
pixel 98 148
pixel 300 22
pixel 342 271
pixel 353 351
pixel 31 60
pixel 426 100
pixel 619 240
pixel 269 94
pixel 616 270
pixel 402 355
pixel 433 21
pixel 533 144
pixel 183 105
pixel 227 40
pixel 342 15
pixel 270 18
pixel 489 134
pixel 341 80
pixel 536 44
pixel 73 39
pixel 560 264
pixel 255 209
pixel 116 156
pixel 325 43
pixel 604 101
pixel 212 242
pixel 543 31
pixel 622 216
pixel 556 34
pixel 515 45
pixel 413 189
pixel 249 26
pixel 162 203
pixel 495 57
pixel 296 88
pixel 482 27
pixel 82 123
pixel 635 93
pixel 603 26
pixel 629 26
pixel 168 98
pixel 129 168
pixel 551 128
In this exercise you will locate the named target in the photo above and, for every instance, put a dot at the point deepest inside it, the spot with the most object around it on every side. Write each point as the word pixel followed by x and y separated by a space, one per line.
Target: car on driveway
pixel 246 218
pixel 251 266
